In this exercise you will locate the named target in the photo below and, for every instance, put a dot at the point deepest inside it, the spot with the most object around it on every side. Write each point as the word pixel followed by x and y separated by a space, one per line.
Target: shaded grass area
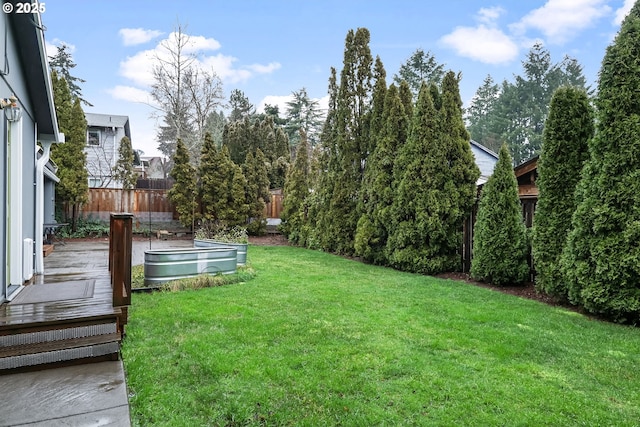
pixel 316 339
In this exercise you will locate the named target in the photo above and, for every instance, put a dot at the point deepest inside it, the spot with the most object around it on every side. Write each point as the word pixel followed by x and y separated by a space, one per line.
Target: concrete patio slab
pixel 94 394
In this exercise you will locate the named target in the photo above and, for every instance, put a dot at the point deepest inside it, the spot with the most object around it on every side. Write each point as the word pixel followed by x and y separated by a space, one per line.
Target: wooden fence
pixel 273 209
pixel 149 204
pixel 142 203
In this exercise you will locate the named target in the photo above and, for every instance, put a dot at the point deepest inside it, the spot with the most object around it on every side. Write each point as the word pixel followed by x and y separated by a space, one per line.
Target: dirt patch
pixel 269 240
pixel 526 290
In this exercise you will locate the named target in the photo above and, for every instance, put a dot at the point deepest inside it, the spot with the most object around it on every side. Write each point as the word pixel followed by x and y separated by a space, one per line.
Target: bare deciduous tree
pixel 184 92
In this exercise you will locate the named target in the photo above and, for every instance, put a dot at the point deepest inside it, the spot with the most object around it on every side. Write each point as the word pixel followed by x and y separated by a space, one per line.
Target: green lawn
pixel 319 340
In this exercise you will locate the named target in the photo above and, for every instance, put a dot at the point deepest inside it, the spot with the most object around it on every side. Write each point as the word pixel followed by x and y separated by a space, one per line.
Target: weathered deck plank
pixel 48 313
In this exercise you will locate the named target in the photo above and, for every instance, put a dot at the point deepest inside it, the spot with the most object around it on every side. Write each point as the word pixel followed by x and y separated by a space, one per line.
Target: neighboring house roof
pixel 29 30
pixel 485 159
pixel 108 121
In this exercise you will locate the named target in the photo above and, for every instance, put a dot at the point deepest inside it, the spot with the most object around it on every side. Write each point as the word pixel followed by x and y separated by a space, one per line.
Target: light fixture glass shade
pixel 13 113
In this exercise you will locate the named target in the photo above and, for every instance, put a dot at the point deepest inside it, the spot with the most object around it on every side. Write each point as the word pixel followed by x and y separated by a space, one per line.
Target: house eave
pixel 29 33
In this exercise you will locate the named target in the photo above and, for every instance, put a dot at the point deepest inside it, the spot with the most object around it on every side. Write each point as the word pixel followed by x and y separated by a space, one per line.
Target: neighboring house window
pixel 93 137
pixel 95 182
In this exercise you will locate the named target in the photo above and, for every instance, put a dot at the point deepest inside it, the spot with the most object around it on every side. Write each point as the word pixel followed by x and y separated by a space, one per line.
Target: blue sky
pixel 268 49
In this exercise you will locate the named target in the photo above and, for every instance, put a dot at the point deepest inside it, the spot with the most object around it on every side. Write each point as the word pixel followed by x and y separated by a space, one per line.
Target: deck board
pixel 98 306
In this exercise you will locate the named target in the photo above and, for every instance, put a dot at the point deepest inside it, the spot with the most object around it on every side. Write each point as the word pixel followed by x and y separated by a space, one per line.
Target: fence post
pixel 120 246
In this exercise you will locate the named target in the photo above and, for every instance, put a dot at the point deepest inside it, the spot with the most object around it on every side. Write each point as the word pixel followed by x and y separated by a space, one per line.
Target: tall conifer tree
pixel 378 185
pixel 124 171
pixel 73 188
pixel 296 191
pixel 567 131
pixel 255 172
pixel 438 156
pixel 327 159
pixel 602 259
pixel 214 173
pixel 500 242
pixel 407 246
pixel 183 193
pixel 352 142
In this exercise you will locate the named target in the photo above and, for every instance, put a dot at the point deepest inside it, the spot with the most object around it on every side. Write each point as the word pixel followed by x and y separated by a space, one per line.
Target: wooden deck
pixel 72 330
pixel 28 316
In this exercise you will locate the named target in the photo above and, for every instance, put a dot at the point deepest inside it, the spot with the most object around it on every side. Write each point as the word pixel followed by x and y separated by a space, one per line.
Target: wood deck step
pixel 44 345
pixel 53 358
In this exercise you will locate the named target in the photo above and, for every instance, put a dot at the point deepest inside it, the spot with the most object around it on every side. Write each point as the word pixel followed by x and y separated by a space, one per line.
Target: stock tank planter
pixel 212 243
pixel 164 265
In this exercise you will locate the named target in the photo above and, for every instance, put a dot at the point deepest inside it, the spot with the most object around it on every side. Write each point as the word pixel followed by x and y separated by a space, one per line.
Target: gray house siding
pixel 102 151
pixel 14 82
pixel 24 73
pixel 485 159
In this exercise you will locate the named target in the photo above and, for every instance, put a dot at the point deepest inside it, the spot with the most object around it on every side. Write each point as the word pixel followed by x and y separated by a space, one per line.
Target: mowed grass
pixel 319 340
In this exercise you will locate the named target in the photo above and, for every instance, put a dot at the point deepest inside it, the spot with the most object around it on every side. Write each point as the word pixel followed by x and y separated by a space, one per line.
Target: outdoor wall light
pixel 11 108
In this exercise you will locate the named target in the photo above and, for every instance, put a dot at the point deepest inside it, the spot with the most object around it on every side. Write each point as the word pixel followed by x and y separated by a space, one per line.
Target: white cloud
pixel 279 100
pixel 482 43
pixel 561 20
pixel 264 69
pixel 489 15
pixel 138 67
pixel 623 11
pixel 135 36
pixel 197 43
pixel 131 94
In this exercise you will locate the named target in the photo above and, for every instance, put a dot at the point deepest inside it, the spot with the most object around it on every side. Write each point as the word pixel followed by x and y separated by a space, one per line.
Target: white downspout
pixel 39 238
pixel 16 276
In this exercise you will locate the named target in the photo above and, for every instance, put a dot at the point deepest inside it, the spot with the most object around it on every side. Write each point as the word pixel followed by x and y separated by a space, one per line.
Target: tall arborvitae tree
pixel 374 126
pixel 319 200
pixel 124 170
pixel 567 131
pixel 429 234
pixel 376 119
pixel 352 142
pixel 500 240
pixel 378 185
pixel 238 136
pixel 255 172
pixel 279 158
pixel 407 98
pixel 439 156
pixel 183 192
pixel 296 191
pixel 235 210
pixel 72 190
pixel 214 172
pixel 458 181
pixel 407 245
pixel 602 260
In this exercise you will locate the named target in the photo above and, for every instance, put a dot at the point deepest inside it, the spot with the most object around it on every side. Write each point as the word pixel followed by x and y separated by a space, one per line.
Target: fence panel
pixel 144 204
pixel 273 208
